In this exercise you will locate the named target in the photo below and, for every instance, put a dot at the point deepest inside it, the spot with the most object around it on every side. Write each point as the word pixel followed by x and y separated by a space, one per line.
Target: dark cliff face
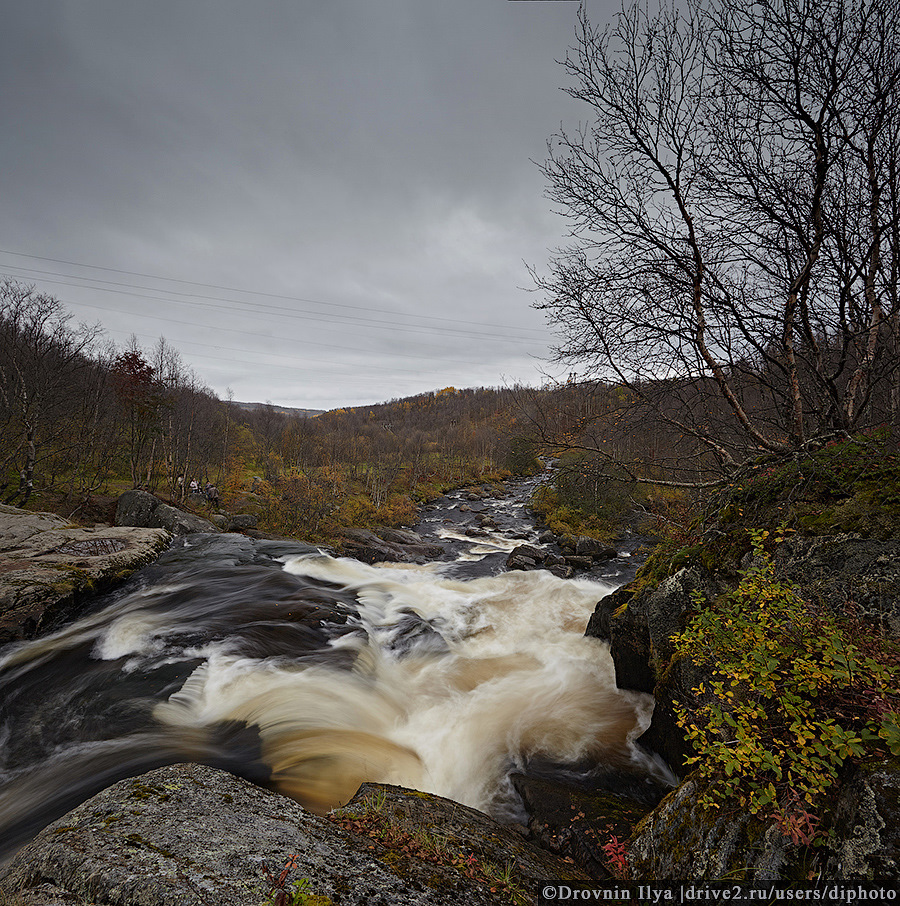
pixel 842 574
pixel 639 629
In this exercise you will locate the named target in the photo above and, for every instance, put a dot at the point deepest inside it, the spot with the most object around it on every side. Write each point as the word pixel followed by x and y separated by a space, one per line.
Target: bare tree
pixel 734 217
pixel 42 361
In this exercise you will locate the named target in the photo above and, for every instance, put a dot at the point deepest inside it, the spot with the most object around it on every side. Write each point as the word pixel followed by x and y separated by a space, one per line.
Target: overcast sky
pixel 317 202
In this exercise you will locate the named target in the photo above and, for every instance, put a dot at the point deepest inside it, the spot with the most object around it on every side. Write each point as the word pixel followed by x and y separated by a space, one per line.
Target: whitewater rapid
pixel 310 674
pixel 453 685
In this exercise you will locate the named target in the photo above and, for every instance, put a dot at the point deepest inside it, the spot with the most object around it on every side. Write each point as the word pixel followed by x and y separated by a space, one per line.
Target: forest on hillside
pixel 82 420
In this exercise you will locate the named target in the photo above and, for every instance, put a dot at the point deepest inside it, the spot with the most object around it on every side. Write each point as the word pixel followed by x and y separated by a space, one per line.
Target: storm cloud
pixel 318 204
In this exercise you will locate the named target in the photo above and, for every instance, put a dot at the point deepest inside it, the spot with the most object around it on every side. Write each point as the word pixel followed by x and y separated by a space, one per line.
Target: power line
pixel 249 333
pixel 280 311
pixel 232 289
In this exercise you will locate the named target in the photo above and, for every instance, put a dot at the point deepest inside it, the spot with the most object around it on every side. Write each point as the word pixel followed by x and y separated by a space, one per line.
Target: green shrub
pixel 793 695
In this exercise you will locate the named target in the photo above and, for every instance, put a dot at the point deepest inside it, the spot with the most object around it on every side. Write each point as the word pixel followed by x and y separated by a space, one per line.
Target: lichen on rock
pixel 187 835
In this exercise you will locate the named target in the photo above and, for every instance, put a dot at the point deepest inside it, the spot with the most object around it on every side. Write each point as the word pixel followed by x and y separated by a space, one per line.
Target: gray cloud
pixel 360 170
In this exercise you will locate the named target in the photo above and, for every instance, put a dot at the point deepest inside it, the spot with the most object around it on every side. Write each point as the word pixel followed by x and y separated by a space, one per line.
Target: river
pixel 310 673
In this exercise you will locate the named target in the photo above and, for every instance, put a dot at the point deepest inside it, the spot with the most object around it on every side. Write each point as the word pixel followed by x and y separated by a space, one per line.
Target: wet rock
pixel 577 562
pixel 619 619
pixel 191 835
pixel 520 561
pixel 556 564
pixel 547 537
pixel 525 556
pixel 400 536
pixel 361 544
pixel 567 542
pixel 529 550
pixel 413 632
pixel 591 547
pixel 49 567
pixel 576 820
pixel 562 571
pixel 639 627
pixel 365 545
pixel 664 736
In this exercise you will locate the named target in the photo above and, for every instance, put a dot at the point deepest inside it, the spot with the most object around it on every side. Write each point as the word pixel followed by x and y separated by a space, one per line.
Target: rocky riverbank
pixel 681 840
pixel 394 843
pixel 488 863
pixel 48 567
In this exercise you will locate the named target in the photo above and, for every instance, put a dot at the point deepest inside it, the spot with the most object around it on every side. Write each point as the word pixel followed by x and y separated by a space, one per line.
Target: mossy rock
pixel 446 846
pixel 867 824
pixel 679 840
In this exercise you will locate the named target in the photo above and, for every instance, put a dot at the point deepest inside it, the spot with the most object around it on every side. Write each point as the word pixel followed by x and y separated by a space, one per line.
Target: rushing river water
pixel 311 674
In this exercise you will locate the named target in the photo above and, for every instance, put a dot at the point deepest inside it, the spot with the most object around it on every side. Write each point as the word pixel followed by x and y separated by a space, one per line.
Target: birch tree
pixel 734 217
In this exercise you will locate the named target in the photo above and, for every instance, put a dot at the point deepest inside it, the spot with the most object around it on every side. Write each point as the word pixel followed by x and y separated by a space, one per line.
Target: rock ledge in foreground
pixel 188 835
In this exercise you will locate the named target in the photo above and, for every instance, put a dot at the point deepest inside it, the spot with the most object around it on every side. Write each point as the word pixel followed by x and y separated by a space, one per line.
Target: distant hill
pixel 284 410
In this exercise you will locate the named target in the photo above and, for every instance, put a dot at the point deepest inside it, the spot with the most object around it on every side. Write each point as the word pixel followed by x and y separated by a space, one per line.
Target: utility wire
pixel 232 289
pixel 282 312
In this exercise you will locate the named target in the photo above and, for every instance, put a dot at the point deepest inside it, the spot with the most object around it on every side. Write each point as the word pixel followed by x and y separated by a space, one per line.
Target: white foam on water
pixel 455 682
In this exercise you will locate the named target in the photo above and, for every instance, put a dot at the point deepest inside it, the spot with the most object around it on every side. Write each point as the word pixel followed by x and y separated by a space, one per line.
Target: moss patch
pixel 850 486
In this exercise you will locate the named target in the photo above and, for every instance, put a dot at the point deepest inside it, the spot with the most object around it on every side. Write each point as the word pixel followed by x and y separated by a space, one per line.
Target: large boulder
pixel 400 536
pixel 188 835
pixel 49 567
pixel 591 547
pixel 180 522
pixel 525 556
pixel 136 508
pixel 241 522
pixel 139 508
